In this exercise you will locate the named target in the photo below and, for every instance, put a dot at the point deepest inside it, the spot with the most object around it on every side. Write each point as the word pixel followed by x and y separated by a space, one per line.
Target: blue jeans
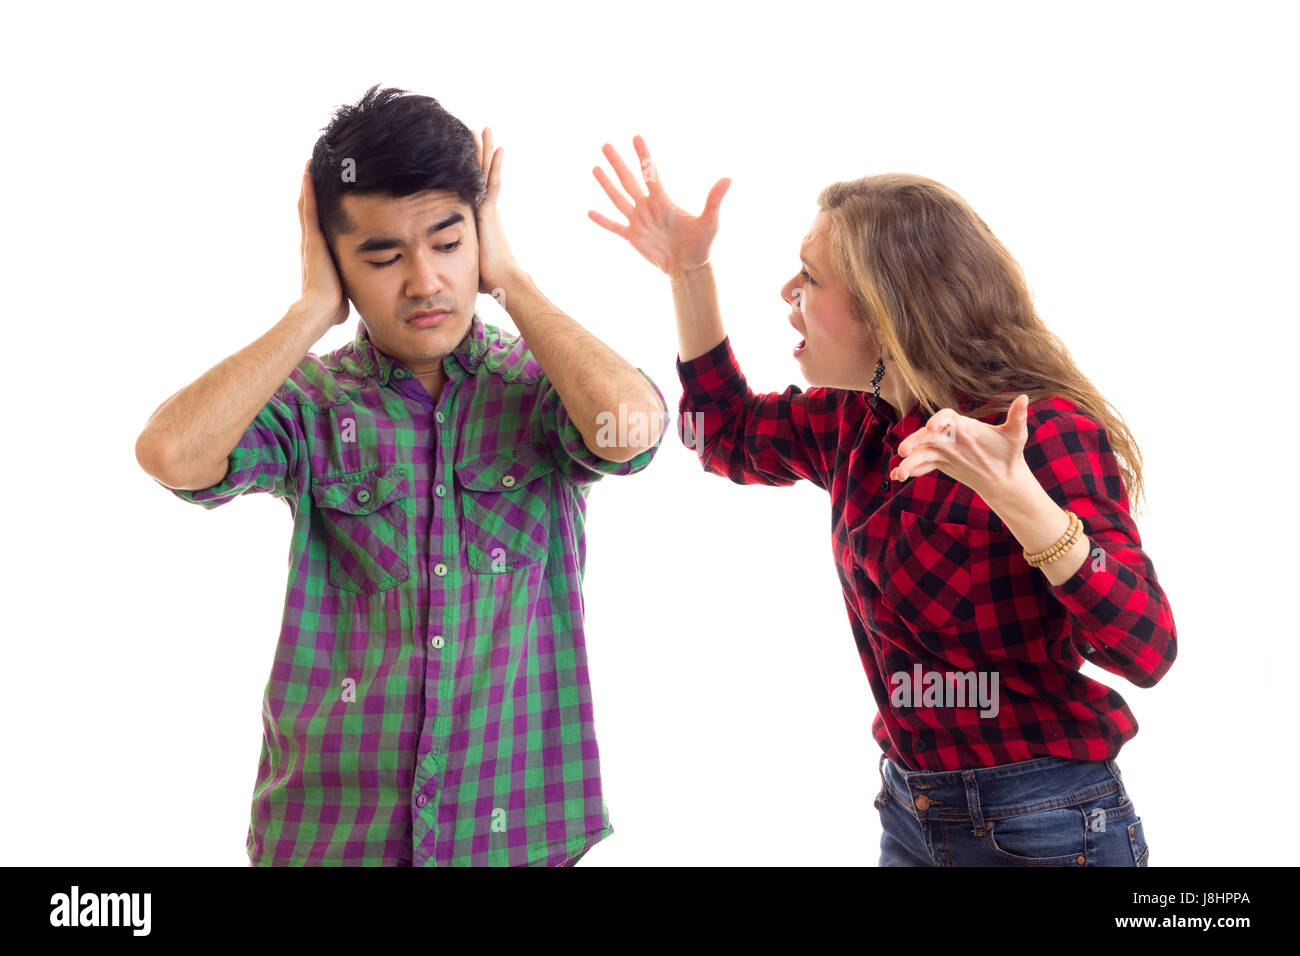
pixel 1048 811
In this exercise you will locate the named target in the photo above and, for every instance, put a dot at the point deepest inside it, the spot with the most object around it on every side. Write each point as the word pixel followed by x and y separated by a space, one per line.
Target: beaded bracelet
pixel 1063 545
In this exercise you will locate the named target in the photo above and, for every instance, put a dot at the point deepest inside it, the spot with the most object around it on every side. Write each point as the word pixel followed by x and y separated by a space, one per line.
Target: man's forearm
pixel 187 440
pixel 597 387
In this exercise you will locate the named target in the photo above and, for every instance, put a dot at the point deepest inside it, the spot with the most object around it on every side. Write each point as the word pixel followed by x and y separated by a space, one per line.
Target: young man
pixel 429 702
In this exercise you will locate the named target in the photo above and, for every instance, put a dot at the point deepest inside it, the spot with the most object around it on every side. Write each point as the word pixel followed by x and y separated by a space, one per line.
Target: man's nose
pixel 425 278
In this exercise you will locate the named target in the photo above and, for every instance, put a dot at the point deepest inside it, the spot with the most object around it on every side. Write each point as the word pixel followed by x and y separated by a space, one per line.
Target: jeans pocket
pixel 368 521
pixel 1051 837
pixel 505 502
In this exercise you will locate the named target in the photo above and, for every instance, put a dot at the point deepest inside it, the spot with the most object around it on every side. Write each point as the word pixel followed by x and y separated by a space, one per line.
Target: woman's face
pixel 833 352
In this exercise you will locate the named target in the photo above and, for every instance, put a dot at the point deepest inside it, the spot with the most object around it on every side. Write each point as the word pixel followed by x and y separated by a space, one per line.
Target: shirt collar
pixel 898 429
pixel 371 361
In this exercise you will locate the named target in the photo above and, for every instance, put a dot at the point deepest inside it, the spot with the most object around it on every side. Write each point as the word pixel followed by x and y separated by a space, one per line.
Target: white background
pixel 1137 158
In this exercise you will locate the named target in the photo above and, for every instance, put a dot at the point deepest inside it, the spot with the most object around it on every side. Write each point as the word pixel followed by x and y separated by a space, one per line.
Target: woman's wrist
pixel 1027 510
pixel 1037 522
pixel 687 273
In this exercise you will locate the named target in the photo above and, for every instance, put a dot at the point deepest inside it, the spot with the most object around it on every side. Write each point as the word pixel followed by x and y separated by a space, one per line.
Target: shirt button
pixel 440 491
pixel 421 800
pixel 363 496
pixel 440 417
pixel 508 481
pixel 920 745
pixel 437 640
pixel 400 373
pixel 884 485
pixel 440 569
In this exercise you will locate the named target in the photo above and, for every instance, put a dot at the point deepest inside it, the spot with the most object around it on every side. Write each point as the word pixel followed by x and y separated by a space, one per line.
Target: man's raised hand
pixel 322 291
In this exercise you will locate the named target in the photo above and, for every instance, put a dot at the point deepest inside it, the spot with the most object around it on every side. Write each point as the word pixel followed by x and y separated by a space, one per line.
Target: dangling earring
pixel 875 382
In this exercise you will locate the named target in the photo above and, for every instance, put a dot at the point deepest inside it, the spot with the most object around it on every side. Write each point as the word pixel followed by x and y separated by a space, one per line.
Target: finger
pixel 302 201
pixel 302 239
pixel 494 174
pixel 478 148
pixel 916 440
pixel 302 227
pixel 620 203
pixel 916 471
pixel 714 199
pixel 915 464
pixel 649 172
pixel 487 150
pixel 624 174
pixel 615 228
pixel 1018 413
pixel 308 197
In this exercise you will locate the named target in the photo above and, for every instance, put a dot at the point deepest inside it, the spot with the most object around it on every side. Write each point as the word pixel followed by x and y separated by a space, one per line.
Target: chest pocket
pixel 925 572
pixel 505 509
pixel 370 523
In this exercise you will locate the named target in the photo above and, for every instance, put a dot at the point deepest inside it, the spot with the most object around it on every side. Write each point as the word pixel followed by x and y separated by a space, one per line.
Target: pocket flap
pixel 360 495
pixel 504 470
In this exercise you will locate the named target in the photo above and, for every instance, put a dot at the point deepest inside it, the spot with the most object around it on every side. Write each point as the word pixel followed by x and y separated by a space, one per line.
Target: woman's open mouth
pixel 803 343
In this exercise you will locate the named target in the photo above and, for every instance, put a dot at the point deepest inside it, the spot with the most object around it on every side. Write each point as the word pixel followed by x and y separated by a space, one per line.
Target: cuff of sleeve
pixel 1088 591
pixel 576 449
pixel 712 380
pixel 239 478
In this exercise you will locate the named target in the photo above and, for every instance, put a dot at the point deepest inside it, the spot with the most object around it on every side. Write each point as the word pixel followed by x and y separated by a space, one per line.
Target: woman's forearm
pixel 699 322
pixel 1037 522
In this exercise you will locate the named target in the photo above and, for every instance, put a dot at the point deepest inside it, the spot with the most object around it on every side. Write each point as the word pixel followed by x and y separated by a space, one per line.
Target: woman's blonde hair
pixel 949 307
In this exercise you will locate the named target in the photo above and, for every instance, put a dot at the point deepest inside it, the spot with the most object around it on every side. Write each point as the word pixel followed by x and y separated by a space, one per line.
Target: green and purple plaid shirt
pixel 429 703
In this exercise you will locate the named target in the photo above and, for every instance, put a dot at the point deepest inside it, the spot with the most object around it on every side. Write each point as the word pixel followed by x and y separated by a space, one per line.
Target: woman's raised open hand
pixel 664 233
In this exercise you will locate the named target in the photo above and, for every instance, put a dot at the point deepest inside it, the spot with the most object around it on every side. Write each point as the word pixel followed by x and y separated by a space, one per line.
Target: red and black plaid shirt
pixel 932 577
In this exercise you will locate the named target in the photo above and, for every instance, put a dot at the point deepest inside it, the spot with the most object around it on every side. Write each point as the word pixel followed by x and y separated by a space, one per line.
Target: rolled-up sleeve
pixel 1121 618
pixel 578 463
pixel 268 458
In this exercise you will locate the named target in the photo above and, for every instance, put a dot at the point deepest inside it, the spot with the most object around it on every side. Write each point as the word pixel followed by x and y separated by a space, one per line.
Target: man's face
pixel 410 255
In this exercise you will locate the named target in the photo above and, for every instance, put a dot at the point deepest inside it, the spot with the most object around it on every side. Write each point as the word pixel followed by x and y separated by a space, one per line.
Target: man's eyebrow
pixel 380 243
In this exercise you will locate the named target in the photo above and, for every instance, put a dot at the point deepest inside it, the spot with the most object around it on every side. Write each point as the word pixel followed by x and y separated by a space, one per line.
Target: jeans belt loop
pixel 1119 780
pixel 882 800
pixel 978 825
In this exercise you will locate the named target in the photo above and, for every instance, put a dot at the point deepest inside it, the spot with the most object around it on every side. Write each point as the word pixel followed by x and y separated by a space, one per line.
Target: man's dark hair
pixel 398 143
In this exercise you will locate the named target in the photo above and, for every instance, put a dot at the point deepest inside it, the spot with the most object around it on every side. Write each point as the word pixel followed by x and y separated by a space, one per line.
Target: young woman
pixel 980 506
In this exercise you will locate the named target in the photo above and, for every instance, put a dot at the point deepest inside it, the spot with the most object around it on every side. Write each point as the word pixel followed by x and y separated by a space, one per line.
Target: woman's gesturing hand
pixel 667 235
pixel 986 458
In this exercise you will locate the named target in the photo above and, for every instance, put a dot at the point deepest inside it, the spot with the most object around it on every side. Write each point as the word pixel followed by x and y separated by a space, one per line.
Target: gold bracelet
pixel 1062 545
